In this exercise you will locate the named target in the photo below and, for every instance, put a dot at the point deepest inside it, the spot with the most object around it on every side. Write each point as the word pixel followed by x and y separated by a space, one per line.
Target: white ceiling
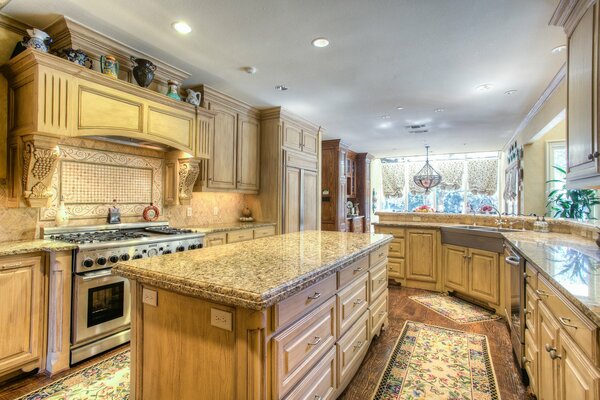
pixel 418 54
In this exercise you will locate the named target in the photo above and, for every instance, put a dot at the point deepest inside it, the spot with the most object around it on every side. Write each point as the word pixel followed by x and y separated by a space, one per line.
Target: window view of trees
pixel 469 181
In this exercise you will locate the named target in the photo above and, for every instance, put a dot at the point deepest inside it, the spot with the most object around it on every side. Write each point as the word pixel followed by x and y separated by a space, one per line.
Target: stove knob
pixel 137 256
pixel 192 246
pixel 180 248
pixel 88 263
pixel 152 252
pixel 125 257
pixel 167 252
pixel 101 260
pixel 113 259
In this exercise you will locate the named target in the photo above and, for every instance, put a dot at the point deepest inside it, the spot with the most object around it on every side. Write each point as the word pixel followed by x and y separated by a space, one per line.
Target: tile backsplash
pixel 91 173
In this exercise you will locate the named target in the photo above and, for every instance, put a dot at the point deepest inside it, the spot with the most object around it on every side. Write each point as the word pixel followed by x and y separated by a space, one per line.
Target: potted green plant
pixel 571 203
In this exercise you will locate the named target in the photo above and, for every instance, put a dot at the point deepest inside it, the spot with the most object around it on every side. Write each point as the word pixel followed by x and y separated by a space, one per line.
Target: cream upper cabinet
pixel 22 308
pixel 310 199
pixel 310 142
pixel 248 153
pixel 292 137
pixel 455 268
pixel 222 162
pixel 422 255
pixel 292 199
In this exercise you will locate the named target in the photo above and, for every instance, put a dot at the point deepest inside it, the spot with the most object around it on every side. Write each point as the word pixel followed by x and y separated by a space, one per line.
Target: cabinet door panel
pixel 547 368
pixel 578 378
pixel 455 268
pixel 483 275
pixel 292 137
pixel 174 127
pixel 292 199
pixel 222 162
pixel 580 104
pixel 422 255
pixel 103 109
pixel 310 199
pixel 248 143
pixel 310 143
pixel 22 309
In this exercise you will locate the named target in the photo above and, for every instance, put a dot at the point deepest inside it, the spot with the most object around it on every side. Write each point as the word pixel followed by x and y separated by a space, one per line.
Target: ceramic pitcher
pixel 194 98
pixel 37 39
pixel 109 66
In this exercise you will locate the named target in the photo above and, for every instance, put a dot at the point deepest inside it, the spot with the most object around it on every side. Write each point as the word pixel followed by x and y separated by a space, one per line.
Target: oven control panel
pixel 94 259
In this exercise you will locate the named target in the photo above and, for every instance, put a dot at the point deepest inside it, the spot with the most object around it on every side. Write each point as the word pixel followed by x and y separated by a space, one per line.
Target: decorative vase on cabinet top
pixel 109 66
pixel 194 98
pixel 143 71
pixel 37 40
pixel 76 56
pixel 173 91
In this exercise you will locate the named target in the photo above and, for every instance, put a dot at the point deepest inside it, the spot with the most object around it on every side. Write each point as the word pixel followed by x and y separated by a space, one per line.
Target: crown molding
pixel 568 13
pixel 282 113
pixel 550 89
pixel 12 25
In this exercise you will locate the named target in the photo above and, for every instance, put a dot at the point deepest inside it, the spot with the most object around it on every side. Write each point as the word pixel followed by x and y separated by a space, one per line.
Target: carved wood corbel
pixel 40 155
pixel 181 173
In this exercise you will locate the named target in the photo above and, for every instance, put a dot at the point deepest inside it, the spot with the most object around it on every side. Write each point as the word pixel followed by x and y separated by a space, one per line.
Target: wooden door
pixel 422 255
pixel 578 378
pixel 483 275
pixel 581 137
pixel 22 307
pixel 547 367
pixel 455 268
pixel 292 137
pixel 310 142
pixel 222 162
pixel 310 200
pixel 292 199
pixel 248 153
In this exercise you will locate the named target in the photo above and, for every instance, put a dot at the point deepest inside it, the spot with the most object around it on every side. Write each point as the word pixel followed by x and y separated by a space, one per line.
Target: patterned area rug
pixel 107 380
pixel 430 362
pixel 454 308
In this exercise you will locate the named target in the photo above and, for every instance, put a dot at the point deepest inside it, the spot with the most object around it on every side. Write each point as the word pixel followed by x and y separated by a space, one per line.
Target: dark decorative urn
pixel 143 71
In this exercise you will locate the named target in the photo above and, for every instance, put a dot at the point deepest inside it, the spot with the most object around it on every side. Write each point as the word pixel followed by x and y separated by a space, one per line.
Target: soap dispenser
pixel 537 224
pixel 544 225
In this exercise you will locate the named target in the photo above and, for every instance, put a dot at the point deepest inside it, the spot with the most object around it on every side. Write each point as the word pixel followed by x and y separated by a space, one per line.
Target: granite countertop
pixel 235 226
pixel 410 224
pixel 31 246
pixel 570 263
pixel 254 274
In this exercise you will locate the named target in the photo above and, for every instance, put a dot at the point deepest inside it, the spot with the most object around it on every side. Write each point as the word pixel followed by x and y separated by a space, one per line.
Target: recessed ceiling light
pixel 182 27
pixel 559 49
pixel 385 117
pixel 485 87
pixel 510 92
pixel 399 108
pixel 385 125
pixel 250 70
pixel 320 42
pixel 281 87
pixel 438 110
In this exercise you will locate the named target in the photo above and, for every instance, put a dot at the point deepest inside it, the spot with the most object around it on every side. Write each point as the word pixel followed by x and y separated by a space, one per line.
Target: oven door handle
pixel 513 260
pixel 95 275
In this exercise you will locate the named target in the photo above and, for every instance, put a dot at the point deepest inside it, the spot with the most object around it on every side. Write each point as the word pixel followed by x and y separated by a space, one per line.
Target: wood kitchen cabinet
pixel 422 253
pixel 290 178
pixel 548 368
pixel 363 186
pixel 23 308
pixel 234 162
pixel 455 268
pixel 334 186
pixel 580 19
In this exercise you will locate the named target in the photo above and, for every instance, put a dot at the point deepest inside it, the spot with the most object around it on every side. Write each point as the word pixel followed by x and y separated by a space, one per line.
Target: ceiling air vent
pixel 418 126
pixel 418 131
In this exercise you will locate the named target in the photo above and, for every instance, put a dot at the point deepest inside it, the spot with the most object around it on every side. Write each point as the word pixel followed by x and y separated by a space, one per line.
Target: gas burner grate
pixel 166 230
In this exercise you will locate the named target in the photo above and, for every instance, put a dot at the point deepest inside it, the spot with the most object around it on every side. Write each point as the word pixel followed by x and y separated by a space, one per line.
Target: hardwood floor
pixel 401 308
pixel 363 385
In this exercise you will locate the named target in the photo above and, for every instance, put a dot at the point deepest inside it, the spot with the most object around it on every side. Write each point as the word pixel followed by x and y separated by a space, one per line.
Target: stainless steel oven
pixel 515 302
pixel 101 313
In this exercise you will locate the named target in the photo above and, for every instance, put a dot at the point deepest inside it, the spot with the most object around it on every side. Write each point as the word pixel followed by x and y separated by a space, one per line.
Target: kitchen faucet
pixel 499 221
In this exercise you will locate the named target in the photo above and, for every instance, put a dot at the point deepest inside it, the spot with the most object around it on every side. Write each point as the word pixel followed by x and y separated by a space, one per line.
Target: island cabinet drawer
pixel 396 248
pixel 240 236
pixel 320 383
pixel 531 276
pixel 297 349
pixel 352 271
pixel 579 327
pixel 352 347
pixel 379 255
pixel 378 313
pixel 377 281
pixel 264 232
pixel 299 304
pixel 352 302
pixel 396 267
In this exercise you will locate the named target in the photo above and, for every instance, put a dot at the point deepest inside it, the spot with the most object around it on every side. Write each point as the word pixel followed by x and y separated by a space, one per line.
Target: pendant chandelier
pixel 427 177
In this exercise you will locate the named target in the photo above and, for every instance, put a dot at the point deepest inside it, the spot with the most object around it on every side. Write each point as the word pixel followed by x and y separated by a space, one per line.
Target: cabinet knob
pixel 552 352
pixel 315 342
pixel 596 154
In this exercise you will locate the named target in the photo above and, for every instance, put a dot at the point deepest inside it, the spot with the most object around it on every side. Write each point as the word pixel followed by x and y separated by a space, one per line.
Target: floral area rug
pixel 431 362
pixel 454 308
pixel 106 380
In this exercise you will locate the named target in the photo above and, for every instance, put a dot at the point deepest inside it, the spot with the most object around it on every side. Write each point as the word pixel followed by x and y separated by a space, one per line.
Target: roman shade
pixel 393 179
pixel 482 176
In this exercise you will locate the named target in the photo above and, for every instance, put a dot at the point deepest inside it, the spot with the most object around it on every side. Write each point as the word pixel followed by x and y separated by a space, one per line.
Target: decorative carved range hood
pixel 51 98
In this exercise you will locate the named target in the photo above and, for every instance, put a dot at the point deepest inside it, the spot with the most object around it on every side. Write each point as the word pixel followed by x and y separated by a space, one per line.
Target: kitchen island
pixel 277 317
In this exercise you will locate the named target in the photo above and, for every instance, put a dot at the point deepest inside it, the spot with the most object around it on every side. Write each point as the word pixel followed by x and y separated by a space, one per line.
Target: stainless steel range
pixel 101 301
